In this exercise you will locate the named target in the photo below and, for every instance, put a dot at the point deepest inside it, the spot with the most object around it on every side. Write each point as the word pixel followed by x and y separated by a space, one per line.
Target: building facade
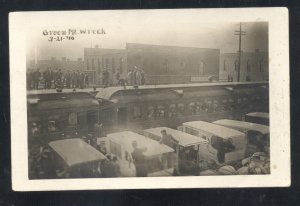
pixel 63 64
pixel 173 64
pixel 254 66
pixel 161 64
pixel 97 60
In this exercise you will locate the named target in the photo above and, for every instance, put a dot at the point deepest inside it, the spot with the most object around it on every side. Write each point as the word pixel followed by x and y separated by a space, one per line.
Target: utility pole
pixel 240 32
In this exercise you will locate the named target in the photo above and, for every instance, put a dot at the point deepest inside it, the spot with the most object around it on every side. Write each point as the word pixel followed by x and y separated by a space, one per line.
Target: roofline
pixel 245 123
pixel 177 86
pixel 170 46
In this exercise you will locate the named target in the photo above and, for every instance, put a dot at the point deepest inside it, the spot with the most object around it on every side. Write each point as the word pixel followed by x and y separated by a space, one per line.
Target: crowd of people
pixel 135 76
pixel 51 79
pixel 56 78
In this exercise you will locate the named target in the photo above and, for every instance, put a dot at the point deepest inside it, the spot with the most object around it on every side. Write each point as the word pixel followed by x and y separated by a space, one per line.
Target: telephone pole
pixel 240 32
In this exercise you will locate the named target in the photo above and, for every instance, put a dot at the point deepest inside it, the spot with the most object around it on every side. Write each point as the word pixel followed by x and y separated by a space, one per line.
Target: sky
pixel 183 29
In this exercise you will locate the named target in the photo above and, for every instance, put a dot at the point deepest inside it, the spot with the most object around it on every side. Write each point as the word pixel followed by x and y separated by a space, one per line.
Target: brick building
pixel 161 64
pixel 254 66
pixel 173 64
pixel 64 64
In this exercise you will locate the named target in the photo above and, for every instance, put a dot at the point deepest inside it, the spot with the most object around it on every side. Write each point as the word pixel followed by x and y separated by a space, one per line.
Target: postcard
pixel 142 99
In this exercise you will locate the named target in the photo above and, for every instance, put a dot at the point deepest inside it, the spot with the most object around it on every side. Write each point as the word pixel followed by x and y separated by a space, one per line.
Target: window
pixel 166 65
pixel 150 112
pixel 106 63
pixel 72 118
pixel 160 112
pixel 248 66
pixel 93 64
pixel 87 64
pixel 216 106
pixel 224 104
pixel 137 112
pixel 191 131
pixel 201 68
pixel 261 66
pixel 180 108
pixel 224 65
pixel 35 128
pixel 121 65
pixel 208 106
pixel 236 65
pixel 172 110
pixel 99 66
pixel 192 108
pixel 53 126
pixel 113 65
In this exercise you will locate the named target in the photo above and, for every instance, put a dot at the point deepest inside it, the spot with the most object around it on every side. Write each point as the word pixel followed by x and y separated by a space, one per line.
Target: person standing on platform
pixel 86 80
pixel 143 80
pixel 130 77
pixel 139 160
pixel 73 80
pixel 36 79
pixel 68 79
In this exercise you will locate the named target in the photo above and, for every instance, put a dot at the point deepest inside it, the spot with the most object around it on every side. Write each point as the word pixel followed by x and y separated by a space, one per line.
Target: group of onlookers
pixel 134 76
pixel 50 79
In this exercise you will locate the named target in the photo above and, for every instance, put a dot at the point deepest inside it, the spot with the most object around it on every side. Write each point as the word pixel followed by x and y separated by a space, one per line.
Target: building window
pixel 73 118
pixel 137 112
pixel 87 64
pixel 225 66
pixel 172 110
pixel 180 109
pixel 99 66
pixel 261 66
pixel 93 64
pixel 106 63
pixel 150 112
pixel 248 66
pixel 201 68
pixel 236 65
pixel 113 65
pixel 121 65
pixel 166 65
pixel 160 112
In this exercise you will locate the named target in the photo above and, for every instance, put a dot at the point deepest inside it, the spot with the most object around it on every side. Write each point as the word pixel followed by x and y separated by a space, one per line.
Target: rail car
pixel 56 115
pixel 142 107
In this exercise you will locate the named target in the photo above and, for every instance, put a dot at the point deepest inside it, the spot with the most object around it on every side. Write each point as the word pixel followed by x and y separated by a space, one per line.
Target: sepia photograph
pixel 110 98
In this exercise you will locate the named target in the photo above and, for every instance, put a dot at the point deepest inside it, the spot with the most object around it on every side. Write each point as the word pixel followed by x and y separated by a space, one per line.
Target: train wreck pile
pixel 258 163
